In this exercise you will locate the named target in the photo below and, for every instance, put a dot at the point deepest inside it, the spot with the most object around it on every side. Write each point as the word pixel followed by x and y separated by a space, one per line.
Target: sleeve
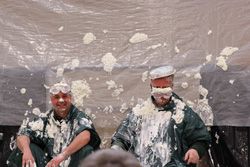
pixel 124 135
pixel 195 132
pixel 85 123
pixel 32 129
pixel 24 128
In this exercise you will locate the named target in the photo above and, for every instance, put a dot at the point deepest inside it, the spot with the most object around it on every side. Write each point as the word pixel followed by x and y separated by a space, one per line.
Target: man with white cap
pixel 163 131
pixel 61 137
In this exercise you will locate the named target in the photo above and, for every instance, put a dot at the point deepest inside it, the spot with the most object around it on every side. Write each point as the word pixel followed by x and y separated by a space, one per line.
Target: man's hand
pixel 28 159
pixel 55 162
pixel 78 142
pixel 191 156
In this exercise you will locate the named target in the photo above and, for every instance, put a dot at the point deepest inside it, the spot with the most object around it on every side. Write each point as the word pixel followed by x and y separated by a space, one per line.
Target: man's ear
pixel 71 97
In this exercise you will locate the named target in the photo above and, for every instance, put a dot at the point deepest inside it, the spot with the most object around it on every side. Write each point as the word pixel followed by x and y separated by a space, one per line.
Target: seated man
pixel 110 158
pixel 163 131
pixel 61 137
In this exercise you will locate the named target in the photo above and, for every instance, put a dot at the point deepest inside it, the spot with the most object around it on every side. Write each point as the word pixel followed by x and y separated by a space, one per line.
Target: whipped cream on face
pixel 159 93
pixel 161 90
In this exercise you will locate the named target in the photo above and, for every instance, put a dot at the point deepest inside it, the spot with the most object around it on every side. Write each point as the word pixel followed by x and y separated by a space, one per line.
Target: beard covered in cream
pixel 161 95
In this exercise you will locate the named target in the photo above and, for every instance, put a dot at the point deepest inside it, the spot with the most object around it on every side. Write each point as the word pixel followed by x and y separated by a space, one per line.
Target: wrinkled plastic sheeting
pixel 227 98
pixel 20 92
pixel 46 35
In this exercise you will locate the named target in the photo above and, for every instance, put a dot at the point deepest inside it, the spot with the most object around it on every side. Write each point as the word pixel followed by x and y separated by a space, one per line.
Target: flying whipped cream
pixel 23 91
pixel 224 54
pixel 108 61
pixel 144 76
pixel 80 90
pixel 138 37
pixel 88 38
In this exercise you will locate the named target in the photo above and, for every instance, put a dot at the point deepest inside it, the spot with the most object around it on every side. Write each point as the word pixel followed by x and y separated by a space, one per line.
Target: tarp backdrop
pixel 105 49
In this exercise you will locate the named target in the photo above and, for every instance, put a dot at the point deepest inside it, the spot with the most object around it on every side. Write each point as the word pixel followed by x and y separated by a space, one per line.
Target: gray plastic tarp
pixel 43 41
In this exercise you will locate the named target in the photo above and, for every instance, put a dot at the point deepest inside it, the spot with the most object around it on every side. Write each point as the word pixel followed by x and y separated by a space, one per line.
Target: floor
pixel 6 133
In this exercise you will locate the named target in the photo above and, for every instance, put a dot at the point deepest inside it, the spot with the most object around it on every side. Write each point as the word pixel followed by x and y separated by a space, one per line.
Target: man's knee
pixel 15 158
pixel 80 155
pixel 85 151
pixel 39 155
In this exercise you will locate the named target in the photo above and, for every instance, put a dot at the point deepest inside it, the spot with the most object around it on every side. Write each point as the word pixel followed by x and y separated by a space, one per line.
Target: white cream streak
pixel 60 133
pixel 178 115
pixel 153 132
pixel 153 126
pixel 161 90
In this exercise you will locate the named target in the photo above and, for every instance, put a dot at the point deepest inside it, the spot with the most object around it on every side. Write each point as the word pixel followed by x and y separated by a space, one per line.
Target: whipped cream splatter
pixel 108 61
pixel 224 54
pixel 88 38
pixel 144 76
pixel 80 90
pixel 138 37
pixel 23 91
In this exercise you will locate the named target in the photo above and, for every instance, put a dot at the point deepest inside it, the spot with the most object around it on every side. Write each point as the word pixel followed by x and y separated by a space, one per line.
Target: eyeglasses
pixel 59 87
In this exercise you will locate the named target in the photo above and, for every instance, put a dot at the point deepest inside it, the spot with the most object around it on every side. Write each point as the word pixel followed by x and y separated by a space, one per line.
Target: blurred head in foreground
pixel 110 158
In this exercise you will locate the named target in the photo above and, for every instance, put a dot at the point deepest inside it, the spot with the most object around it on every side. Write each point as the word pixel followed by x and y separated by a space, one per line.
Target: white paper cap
pixel 160 72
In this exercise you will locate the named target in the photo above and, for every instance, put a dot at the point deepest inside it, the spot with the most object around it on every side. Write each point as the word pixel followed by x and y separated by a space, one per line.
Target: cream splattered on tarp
pixel 197 76
pixel 138 37
pixel 80 90
pixel 184 85
pixel 108 61
pixel 209 58
pixel 224 54
pixel 209 32
pixel 203 108
pixel 59 72
pixel 60 28
pixel 155 46
pixel 177 50
pixel 74 63
pixel 88 38
pixel 23 91
pixel 30 102
pixel 123 108
pixel 111 84
pixel 227 51
pixel 117 89
pixel 231 81
pixel 144 76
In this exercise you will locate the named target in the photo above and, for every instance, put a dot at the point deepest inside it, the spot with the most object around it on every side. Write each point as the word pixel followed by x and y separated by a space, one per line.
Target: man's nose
pixel 61 100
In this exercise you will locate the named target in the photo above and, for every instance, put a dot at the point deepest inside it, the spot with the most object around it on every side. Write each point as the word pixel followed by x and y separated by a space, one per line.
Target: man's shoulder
pixel 46 114
pixel 76 113
pixel 176 96
pixel 186 107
